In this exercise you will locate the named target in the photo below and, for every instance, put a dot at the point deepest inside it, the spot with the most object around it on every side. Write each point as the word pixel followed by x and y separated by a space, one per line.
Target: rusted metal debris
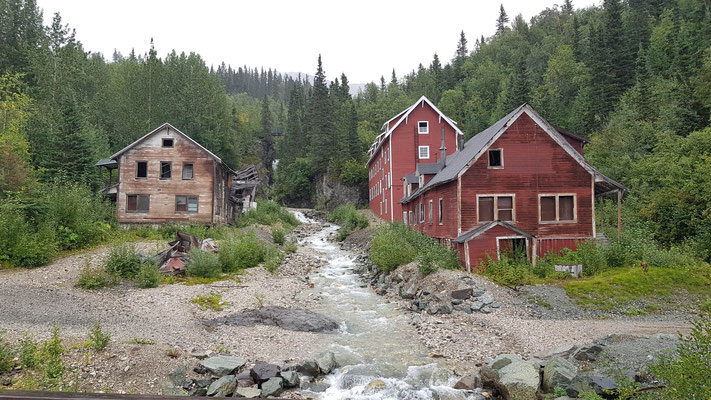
pixel 172 260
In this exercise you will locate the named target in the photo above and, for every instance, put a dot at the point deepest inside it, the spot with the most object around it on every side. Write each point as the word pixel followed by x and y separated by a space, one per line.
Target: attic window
pixel 496 159
pixel 167 142
pixel 423 127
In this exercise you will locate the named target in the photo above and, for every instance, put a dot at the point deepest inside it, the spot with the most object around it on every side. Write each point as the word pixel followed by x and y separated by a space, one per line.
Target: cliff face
pixel 331 193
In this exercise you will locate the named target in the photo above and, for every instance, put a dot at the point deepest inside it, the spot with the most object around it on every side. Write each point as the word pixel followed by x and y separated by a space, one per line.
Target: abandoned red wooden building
pixel 519 185
pixel 410 138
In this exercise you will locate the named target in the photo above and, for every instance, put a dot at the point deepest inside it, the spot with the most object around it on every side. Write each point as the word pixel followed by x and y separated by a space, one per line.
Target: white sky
pixel 363 38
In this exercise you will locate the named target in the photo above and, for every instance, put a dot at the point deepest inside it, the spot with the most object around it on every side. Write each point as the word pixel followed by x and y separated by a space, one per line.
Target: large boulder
pixel 272 387
pixel 503 360
pixel 468 382
pixel 244 379
pixel 588 353
pixel 223 387
pixel 518 380
pixel 262 372
pixel 307 368
pixel 488 376
pixel 291 378
pixel 248 392
pixel 223 365
pixel 558 372
pixel 327 362
pixel 602 385
pixel 462 294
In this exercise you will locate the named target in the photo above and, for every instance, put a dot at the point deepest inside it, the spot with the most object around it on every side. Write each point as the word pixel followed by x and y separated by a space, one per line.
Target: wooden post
pixel 619 214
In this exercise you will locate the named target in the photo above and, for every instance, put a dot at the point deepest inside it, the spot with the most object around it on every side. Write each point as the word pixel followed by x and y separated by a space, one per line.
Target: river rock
pixel 478 293
pixel 223 365
pixel 307 368
pixel 588 353
pixel 248 392
pixel 468 382
pixel 272 387
pixel 432 308
pixel 486 298
pixel 374 385
pixel 244 379
pixel 407 293
pixel 285 318
pixel 488 376
pixel 291 378
pixel 327 362
pixel 518 380
pixel 462 294
pixel 446 308
pixel 476 306
pixel 503 360
pixel 222 387
pixel 602 385
pixel 558 372
pixel 178 376
pixel 261 372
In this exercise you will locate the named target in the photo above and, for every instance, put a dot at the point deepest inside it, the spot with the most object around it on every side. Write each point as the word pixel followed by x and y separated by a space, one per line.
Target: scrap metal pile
pixel 172 260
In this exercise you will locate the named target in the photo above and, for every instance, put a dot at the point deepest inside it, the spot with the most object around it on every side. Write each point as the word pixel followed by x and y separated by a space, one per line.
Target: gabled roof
pixel 402 116
pixel 466 236
pixel 428 168
pixel 459 162
pixel 411 178
pixel 158 129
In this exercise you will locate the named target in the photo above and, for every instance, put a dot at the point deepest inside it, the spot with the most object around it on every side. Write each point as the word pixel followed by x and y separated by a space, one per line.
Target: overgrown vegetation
pixel 94 277
pixel 278 236
pixel 212 301
pixel 148 275
pixel 123 261
pixel 203 264
pixel 7 353
pixel 98 339
pixel 396 244
pixel 349 219
pixel 268 213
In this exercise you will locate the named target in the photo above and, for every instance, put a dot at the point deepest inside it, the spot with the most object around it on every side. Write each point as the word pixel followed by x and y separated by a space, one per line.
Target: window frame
pixel 404 217
pixel 557 208
pixel 192 172
pixel 187 204
pixel 170 170
pixel 441 211
pixel 422 213
pixel 427 123
pixel 142 177
pixel 496 207
pixel 138 210
pixel 501 156
pixel 419 152
pixel 172 142
pixel 412 218
pixel 429 211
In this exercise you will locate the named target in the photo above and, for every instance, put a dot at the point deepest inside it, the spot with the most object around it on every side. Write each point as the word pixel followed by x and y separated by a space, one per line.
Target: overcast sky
pixel 363 38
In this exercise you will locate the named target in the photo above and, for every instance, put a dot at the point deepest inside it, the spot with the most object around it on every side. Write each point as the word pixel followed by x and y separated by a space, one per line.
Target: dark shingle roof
pixel 411 178
pixel 428 168
pixel 466 236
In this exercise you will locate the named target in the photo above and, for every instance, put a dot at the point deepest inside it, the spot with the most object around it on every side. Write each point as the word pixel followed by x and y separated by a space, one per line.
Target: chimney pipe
pixel 443 150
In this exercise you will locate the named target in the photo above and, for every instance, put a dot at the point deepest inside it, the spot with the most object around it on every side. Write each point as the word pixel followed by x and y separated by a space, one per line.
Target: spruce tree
pixel 462 50
pixel 267 140
pixel 616 50
pixel 320 121
pixel 501 21
pixel 567 7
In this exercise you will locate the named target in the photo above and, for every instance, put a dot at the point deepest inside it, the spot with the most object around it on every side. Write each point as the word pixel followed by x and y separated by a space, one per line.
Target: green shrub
pixel 241 251
pixel 390 247
pixel 349 218
pixel 203 264
pixel 291 247
pixel 293 182
pixel 21 244
pixel 272 259
pixel 353 173
pixel 507 271
pixel 52 351
pixel 94 278
pixel 98 339
pixel 29 351
pixel 278 236
pixel 687 376
pixel 123 261
pixel 433 257
pixel 7 353
pixel 148 275
pixel 268 213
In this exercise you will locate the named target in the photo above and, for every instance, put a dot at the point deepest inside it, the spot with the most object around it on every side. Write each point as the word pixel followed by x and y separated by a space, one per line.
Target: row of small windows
pixel 378 188
pixel 166 172
pixel 141 203
pixel 419 214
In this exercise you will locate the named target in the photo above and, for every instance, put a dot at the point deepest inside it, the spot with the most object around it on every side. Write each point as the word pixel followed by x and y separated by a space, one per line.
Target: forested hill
pixel 634 76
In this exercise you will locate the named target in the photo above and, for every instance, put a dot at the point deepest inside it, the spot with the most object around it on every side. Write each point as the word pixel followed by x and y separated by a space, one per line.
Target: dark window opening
pixel 142 169
pixel 513 248
pixel 505 208
pixel 566 208
pixel 137 203
pixel 187 204
pixel 548 208
pixel 167 142
pixel 188 171
pixel 441 210
pixel 486 209
pixel 495 158
pixel 165 170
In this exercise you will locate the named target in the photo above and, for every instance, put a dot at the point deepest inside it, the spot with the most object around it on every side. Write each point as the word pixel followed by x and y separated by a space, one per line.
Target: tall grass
pixel 268 213
pixel 396 245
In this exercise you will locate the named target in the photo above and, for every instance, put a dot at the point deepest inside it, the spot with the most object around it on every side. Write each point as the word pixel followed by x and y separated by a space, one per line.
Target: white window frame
pixel 427 123
pixel 498 246
pixel 557 208
pixel 386 206
pixel 488 159
pixel 412 218
pixel 419 152
pixel 496 206
pixel 441 211
pixel 429 212
pixel 422 213
pixel 404 217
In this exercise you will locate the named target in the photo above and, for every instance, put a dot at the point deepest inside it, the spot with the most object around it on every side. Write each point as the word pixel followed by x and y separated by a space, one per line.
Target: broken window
pixel 184 203
pixel 137 202
pixel 164 170
pixel 167 142
pixel 423 127
pixel 496 158
pixel 557 208
pixel 187 171
pixel 142 169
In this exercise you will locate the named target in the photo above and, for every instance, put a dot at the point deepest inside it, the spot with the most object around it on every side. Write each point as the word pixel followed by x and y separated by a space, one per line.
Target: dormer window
pixel 423 127
pixel 496 158
pixel 167 142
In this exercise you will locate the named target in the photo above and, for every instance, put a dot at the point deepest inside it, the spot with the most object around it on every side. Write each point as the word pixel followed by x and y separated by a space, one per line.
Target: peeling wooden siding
pixel 163 191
